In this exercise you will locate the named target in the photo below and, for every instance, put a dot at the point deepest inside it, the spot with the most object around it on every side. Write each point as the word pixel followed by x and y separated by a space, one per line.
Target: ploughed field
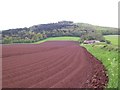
pixel 52 64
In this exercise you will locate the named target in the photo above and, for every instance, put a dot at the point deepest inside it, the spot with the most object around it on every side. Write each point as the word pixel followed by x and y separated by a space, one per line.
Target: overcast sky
pixel 25 13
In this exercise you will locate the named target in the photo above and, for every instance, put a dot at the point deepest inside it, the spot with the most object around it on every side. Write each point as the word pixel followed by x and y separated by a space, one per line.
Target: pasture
pixel 67 38
pixel 113 38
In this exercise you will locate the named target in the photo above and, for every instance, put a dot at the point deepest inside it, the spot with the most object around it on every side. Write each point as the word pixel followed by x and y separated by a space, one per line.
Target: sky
pixel 26 13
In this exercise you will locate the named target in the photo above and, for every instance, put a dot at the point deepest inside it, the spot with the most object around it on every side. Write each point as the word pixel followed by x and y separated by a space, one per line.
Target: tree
pixel 39 36
pixel 94 35
pixel 7 40
pixel 34 37
pixel 108 42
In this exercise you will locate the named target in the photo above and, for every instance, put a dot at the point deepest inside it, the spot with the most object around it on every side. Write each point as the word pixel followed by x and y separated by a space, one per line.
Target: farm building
pixel 91 41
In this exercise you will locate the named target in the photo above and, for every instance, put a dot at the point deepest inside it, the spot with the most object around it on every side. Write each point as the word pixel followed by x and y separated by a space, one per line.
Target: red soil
pixel 52 64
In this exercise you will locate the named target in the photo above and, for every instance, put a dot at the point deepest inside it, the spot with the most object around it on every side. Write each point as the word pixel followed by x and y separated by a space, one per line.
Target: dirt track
pixel 53 64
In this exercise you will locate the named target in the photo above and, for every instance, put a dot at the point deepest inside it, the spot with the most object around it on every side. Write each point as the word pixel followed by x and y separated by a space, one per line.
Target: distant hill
pixel 61 28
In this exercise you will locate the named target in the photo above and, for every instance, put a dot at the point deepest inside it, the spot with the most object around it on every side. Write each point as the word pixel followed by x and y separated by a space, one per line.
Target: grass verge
pixel 110 61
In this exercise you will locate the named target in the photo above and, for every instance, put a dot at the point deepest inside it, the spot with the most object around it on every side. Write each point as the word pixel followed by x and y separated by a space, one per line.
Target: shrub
pixel 108 42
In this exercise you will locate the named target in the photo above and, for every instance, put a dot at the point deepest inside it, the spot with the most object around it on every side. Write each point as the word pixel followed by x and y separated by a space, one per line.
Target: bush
pixel 108 42
pixel 102 40
pixel 7 40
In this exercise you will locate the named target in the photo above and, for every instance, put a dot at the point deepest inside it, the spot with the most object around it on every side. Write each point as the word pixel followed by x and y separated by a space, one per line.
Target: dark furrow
pixel 58 76
pixel 40 52
pixel 43 74
pixel 75 76
pixel 36 60
pixel 42 59
pixel 38 67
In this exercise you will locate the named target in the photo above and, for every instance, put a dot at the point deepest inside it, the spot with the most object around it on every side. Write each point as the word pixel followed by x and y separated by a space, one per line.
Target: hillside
pixel 62 28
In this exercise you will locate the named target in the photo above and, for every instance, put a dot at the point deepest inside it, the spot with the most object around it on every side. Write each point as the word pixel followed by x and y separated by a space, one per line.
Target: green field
pixel 59 38
pixel 112 38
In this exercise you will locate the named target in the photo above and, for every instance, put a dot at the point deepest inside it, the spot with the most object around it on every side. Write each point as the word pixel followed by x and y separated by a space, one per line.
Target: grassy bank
pixel 108 55
pixel 110 61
